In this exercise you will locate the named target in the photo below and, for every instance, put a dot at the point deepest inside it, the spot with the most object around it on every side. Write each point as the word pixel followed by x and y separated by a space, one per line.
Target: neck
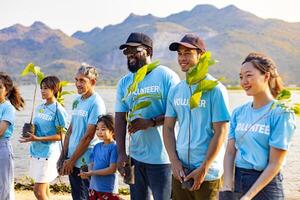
pixel 2 101
pixel 261 99
pixel 108 141
pixel 50 100
pixel 87 94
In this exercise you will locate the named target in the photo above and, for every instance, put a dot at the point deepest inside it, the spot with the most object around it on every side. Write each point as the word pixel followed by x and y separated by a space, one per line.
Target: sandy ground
pixel 28 195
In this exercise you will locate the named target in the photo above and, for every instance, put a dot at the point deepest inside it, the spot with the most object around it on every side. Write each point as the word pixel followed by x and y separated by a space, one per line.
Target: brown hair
pixel 109 122
pixel 265 64
pixel 51 82
pixel 13 93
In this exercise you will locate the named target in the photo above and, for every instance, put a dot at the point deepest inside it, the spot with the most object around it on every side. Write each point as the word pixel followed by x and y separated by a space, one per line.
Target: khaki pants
pixel 208 191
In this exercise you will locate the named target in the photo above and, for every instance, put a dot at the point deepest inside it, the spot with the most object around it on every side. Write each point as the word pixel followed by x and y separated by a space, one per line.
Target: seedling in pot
pixel 84 167
pixel 31 68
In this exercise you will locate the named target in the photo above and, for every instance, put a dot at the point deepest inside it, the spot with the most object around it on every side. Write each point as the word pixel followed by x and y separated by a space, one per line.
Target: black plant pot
pixel 28 128
pixel 189 183
pixel 84 168
pixel 129 174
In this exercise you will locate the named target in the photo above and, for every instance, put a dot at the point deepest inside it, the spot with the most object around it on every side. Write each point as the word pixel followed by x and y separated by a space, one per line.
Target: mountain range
pixel 229 33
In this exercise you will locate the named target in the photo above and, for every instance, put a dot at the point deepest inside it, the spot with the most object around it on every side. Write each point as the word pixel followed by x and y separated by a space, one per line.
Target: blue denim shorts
pixel 245 178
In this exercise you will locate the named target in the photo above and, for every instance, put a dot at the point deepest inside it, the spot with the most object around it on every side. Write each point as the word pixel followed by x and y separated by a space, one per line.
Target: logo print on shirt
pixel 186 102
pixel 44 116
pixel 81 113
pixel 256 128
pixel 149 89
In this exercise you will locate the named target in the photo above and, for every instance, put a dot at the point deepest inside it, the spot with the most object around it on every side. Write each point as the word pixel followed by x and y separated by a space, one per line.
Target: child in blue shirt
pixel 50 121
pixel 10 100
pixel 259 135
pixel 103 165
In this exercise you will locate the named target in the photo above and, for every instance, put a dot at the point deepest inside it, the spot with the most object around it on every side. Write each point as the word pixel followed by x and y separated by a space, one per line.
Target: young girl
pixel 103 166
pixel 10 99
pixel 260 134
pixel 50 121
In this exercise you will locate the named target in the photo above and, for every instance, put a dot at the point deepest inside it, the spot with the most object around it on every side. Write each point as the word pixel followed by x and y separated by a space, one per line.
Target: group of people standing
pixel 177 152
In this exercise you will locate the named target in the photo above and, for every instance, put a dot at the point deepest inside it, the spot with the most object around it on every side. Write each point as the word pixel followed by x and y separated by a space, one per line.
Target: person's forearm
pixel 220 132
pixel 170 142
pixel 51 138
pixel 81 147
pixel 159 120
pixel 103 172
pixel 120 129
pixel 265 178
pixel 229 168
pixel 66 142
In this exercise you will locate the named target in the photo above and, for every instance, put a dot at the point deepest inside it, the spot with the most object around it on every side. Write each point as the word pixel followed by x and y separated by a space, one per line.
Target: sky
pixel 73 15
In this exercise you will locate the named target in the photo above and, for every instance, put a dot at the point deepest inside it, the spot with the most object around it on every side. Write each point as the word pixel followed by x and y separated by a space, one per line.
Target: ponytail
pixel 15 98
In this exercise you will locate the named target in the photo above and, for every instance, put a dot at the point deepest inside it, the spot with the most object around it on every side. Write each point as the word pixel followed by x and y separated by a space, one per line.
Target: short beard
pixel 139 63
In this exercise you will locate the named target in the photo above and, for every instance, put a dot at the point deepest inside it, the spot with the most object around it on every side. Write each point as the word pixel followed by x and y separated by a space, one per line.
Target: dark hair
pixel 52 82
pixel 13 93
pixel 265 64
pixel 109 122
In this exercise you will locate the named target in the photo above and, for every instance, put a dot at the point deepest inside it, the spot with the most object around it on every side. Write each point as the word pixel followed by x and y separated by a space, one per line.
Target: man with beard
pixel 147 151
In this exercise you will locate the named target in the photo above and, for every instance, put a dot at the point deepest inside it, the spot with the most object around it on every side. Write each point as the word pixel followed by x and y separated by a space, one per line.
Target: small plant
pixel 196 75
pixel 84 167
pixel 284 101
pixel 138 102
pixel 31 68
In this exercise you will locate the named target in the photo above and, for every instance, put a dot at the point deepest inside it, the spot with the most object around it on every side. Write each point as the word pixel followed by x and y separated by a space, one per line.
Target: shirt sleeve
pixel 220 111
pixel 9 114
pixel 120 105
pixel 232 126
pixel 98 108
pixel 61 117
pixel 283 126
pixel 114 155
pixel 170 111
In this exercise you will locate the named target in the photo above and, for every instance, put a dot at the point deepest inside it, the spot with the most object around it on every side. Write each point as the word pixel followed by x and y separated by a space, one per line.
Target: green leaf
pixel 195 100
pixel 296 109
pixel 146 95
pixel 206 85
pixel 141 105
pixel 139 76
pixel 63 83
pixel 199 72
pixel 283 95
pixel 67 92
pixel 28 68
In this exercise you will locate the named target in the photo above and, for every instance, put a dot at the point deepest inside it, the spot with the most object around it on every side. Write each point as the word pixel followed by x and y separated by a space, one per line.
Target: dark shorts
pixel 94 195
pixel 208 191
pixel 245 178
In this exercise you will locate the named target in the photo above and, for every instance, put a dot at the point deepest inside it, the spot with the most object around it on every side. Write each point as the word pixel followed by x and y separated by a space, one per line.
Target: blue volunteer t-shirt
pixel 103 155
pixel 47 118
pixel 256 130
pixel 213 107
pixel 147 145
pixel 84 112
pixel 7 113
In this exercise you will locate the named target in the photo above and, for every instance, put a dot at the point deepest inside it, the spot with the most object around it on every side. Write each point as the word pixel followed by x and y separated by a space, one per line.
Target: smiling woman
pixel 260 134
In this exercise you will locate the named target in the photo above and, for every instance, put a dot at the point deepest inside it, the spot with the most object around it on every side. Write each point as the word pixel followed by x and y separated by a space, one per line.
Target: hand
pixel 85 175
pixel 198 175
pixel 31 138
pixel 122 160
pixel 139 124
pixel 245 197
pixel 68 167
pixel 177 170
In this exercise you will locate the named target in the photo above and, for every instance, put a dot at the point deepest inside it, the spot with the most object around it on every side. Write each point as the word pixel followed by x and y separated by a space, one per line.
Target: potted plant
pixel 139 102
pixel 31 68
pixel 84 167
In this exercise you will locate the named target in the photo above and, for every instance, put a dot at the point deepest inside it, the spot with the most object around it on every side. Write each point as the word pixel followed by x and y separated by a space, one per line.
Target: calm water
pixel 108 94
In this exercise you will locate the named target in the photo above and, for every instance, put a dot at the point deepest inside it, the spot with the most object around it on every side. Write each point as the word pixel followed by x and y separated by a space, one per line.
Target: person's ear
pixel 267 76
pixel 93 82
